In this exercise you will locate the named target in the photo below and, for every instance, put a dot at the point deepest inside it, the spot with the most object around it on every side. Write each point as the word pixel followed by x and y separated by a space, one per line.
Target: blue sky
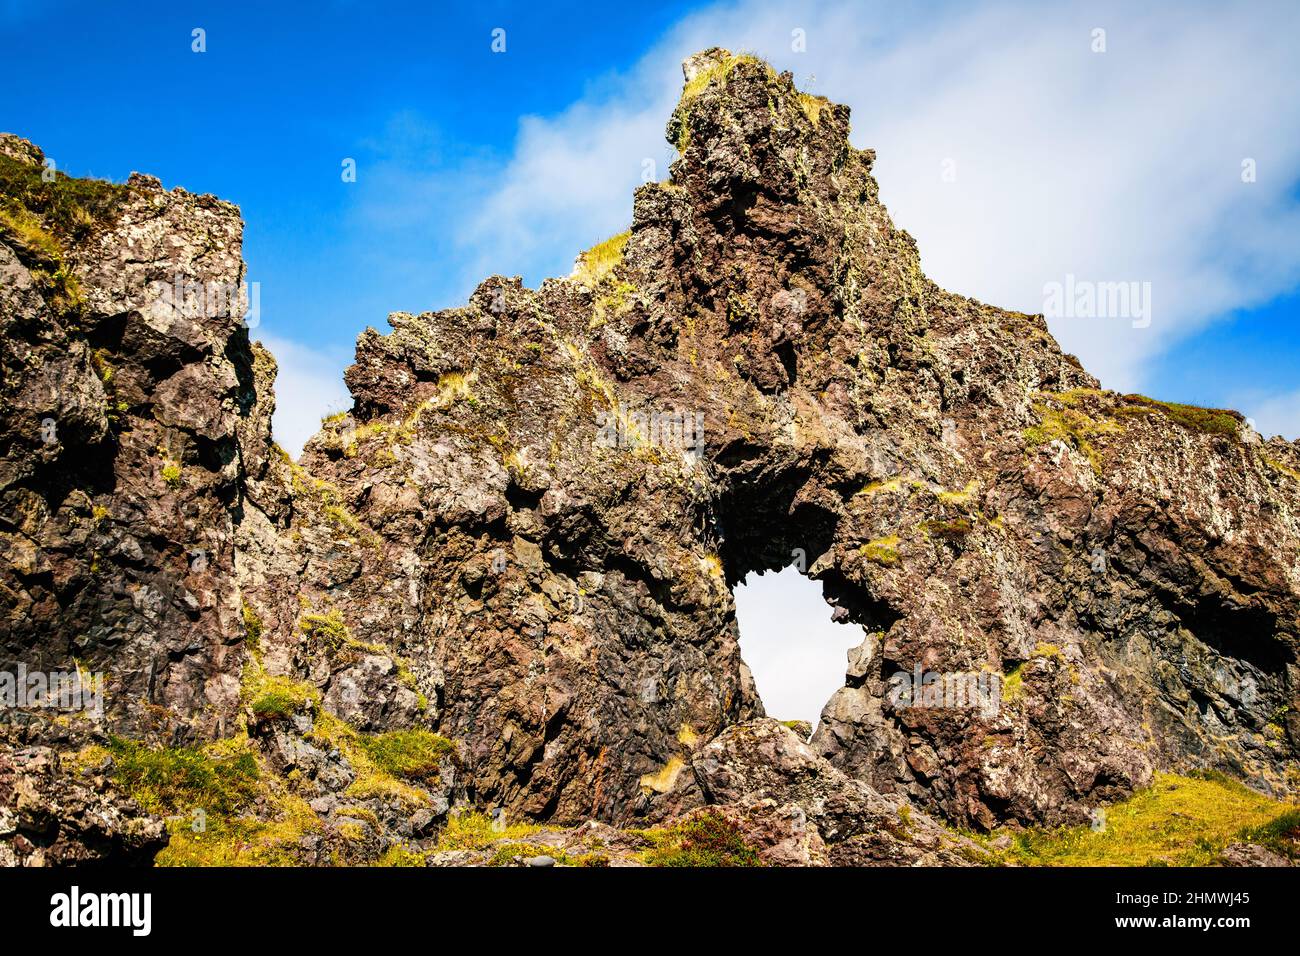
pixel 1113 165
pixel 471 162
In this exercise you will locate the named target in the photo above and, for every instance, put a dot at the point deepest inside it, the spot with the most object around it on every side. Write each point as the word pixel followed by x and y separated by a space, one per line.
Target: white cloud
pixel 798 655
pixel 1114 166
pixel 308 386
pixel 1274 415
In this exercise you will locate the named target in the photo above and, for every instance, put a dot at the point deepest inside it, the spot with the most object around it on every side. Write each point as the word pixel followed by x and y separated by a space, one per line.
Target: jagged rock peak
pixel 510 563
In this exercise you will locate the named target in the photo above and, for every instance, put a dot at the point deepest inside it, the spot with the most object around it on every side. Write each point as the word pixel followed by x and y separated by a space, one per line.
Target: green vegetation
pixel 1281 834
pixel 37 217
pixel 328 627
pixel 172 780
pixel 600 260
pixel 719 71
pixel 1281 467
pixel 415 754
pixel 341 518
pixel 472 830
pixel 887 486
pixel 956 528
pixel 279 698
pixel 1013 684
pixel 704 839
pixel 959 498
pixel 812 106
pixel 1209 421
pixel 252 624
pixel 397 855
pixel 70 208
pixel 883 551
pixel 1071 426
pixel 1178 821
pixel 373 778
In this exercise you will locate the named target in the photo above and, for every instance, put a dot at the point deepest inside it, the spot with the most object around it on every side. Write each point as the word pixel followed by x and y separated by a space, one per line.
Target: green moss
pixel 252 624
pixel 1178 821
pixel 279 698
pixel 243 841
pixel 372 779
pixel 704 839
pixel 1280 467
pixel 352 832
pixel 397 855
pixel 883 551
pixel 178 780
pixel 1070 426
pixel 615 302
pixel 328 627
pixel 887 486
pixel 1208 421
pixel 959 498
pixel 1013 684
pixel 472 830
pixel 415 754
pixel 340 517
pixel 103 368
pixel 955 528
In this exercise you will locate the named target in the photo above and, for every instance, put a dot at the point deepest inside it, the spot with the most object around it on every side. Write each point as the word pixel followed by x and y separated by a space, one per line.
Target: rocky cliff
pixel 502 580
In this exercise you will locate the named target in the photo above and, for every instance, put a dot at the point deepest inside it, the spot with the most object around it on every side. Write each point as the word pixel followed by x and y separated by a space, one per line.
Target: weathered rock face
pixel 524 534
pixel 120 462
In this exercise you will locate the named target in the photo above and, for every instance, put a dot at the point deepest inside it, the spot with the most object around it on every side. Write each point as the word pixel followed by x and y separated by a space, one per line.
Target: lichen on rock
pixel 499 584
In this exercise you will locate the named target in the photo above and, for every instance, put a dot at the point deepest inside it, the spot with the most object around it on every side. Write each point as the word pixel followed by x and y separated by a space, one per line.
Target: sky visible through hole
pixel 797 653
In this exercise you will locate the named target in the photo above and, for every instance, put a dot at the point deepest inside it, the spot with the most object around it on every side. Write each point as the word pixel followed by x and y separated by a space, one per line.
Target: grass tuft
pixel 1178 821
pixel 1207 421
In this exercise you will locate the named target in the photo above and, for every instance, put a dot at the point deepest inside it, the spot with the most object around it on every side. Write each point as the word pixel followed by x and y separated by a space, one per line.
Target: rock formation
pixel 523 536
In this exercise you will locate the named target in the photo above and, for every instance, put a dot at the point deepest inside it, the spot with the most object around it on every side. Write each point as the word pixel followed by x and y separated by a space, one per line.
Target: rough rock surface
pixel 49 819
pixel 514 540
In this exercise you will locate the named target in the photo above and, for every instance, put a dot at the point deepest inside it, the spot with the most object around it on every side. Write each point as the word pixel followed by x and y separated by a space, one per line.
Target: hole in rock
pixel 795 651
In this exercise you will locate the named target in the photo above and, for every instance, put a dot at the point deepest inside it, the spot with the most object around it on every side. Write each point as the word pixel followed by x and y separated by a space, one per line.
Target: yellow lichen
pixel 665 778
pixel 882 551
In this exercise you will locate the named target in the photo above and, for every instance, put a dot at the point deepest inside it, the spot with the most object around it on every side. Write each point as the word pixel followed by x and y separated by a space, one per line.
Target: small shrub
pixel 705 839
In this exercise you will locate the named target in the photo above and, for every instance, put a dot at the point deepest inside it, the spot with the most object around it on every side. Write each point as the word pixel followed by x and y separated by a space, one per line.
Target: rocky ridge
pixel 502 580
